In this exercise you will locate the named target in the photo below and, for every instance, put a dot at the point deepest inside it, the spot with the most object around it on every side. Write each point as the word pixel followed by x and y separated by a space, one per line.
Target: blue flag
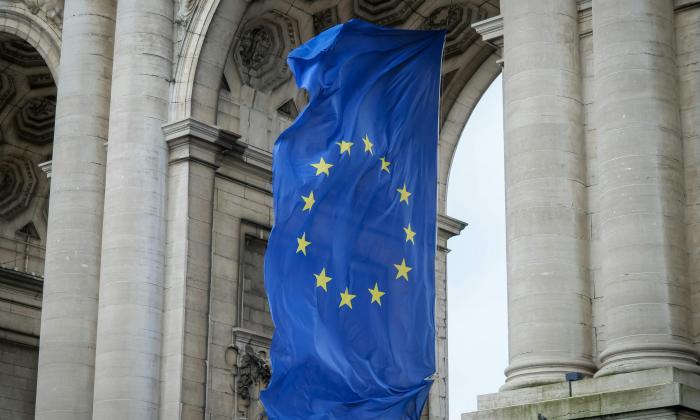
pixel 349 269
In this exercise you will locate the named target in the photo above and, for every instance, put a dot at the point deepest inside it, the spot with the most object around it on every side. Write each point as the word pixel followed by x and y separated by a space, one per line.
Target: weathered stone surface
pixel 656 393
pixel 548 285
pixel 262 48
pixel 602 208
pixel 644 261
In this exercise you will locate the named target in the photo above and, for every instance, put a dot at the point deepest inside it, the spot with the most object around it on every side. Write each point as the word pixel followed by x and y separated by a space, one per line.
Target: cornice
pixel 449 226
pixel 491 30
pixel 194 140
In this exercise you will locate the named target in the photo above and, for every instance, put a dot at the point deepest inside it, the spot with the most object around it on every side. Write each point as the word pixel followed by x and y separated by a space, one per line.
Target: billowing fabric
pixel 349 268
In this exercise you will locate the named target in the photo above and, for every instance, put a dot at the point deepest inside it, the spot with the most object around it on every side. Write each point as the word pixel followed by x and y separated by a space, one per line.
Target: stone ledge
pixel 664 388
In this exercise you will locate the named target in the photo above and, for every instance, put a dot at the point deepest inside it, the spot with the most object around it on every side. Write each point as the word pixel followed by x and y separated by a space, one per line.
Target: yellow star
pixel 385 164
pixel 322 167
pixel 345 146
pixel 368 145
pixel 376 294
pixel 402 269
pixel 308 201
pixel 346 299
pixel 404 194
pixel 322 279
pixel 302 244
pixel 409 234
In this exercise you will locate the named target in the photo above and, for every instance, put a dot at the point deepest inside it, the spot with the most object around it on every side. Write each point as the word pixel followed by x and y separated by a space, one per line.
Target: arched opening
pixel 476 264
pixel 27 113
pixel 233 79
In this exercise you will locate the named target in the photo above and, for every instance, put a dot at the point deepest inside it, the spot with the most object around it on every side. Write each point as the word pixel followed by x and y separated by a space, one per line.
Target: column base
pixel 543 370
pixel 634 357
pixel 662 393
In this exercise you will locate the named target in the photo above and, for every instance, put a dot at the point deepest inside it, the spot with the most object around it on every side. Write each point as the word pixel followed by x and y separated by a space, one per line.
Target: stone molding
pixel 185 11
pixel 193 140
pixel 680 5
pixel 46 168
pixel 21 280
pixel 450 227
pixel 672 389
pixel 491 30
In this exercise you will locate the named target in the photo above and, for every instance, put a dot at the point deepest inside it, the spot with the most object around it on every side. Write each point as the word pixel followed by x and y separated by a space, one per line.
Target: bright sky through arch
pixel 476 267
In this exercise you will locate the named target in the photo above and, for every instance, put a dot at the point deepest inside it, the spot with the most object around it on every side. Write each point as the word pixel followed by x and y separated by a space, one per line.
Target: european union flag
pixel 349 268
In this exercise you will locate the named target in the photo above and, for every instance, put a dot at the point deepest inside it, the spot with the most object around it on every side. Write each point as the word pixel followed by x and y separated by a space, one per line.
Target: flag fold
pixel 349 269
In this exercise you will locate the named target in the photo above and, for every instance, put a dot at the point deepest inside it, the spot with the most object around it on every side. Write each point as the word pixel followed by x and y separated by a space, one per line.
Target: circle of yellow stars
pixel 322 278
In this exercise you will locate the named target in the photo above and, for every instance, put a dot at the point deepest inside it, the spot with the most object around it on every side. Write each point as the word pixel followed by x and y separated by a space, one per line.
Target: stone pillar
pixel 128 353
pixel 549 306
pixel 644 260
pixel 688 52
pixel 195 151
pixel 69 308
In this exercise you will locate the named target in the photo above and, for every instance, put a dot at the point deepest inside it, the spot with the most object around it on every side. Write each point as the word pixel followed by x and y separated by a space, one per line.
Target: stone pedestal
pixel 659 394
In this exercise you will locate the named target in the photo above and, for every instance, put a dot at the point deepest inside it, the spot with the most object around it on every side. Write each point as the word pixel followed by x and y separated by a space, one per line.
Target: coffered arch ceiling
pixel 27 113
pixel 232 70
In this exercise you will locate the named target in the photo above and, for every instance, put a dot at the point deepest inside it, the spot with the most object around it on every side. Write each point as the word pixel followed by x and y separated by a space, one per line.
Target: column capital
pixel 193 140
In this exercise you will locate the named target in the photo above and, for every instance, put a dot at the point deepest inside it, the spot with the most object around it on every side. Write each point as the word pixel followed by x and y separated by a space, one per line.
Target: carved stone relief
pixel 186 10
pixel 456 19
pixel 251 373
pixel 385 12
pixel 262 47
pixel 35 120
pixel 17 185
pixel 52 9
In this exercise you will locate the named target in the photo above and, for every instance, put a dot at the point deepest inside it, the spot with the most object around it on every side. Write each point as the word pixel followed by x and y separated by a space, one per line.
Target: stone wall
pixel 17 380
pixel 241 222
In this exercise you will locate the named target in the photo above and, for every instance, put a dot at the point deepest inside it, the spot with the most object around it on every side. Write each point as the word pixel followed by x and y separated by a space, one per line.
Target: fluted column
pixel 69 308
pixel 549 308
pixel 129 335
pixel 644 260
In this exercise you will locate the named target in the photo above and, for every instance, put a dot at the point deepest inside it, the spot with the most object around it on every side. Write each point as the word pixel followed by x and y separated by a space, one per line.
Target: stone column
pixel 549 306
pixel 69 308
pixel 688 51
pixel 128 353
pixel 644 260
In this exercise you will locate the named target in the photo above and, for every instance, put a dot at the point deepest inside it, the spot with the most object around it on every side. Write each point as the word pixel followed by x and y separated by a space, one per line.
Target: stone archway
pixel 232 76
pixel 27 114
